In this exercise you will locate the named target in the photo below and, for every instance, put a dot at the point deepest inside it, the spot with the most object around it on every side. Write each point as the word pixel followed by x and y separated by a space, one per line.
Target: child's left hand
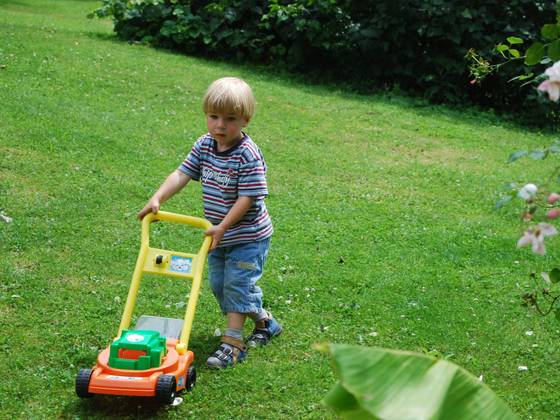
pixel 216 232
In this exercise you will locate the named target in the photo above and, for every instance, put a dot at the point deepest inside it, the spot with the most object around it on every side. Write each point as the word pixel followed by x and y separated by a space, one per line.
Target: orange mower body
pixel 142 383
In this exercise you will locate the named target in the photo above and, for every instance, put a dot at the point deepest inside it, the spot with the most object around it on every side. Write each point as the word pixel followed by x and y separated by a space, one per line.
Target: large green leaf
pixel 514 40
pixel 343 401
pixel 534 54
pixel 377 383
pixel 555 275
pixel 550 31
pixel 554 50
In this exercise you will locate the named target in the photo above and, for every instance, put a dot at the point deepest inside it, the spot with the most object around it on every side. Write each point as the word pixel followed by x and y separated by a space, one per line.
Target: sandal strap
pixel 262 332
pixel 260 335
pixel 238 344
pixel 223 353
pixel 260 324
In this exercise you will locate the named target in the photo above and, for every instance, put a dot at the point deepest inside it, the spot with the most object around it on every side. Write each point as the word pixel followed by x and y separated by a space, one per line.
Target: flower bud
pixel 553 198
pixel 528 192
pixel 553 214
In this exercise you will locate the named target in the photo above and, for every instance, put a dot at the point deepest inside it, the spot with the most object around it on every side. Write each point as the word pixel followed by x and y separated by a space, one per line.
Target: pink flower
pixel 553 198
pixel 552 88
pixel 553 214
pixel 552 85
pixel 553 72
pixel 535 236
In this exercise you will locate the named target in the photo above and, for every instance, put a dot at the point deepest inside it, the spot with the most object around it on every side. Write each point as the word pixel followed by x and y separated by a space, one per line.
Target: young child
pixel 232 171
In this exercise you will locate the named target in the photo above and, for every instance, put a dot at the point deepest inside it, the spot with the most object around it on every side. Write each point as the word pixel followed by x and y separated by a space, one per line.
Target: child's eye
pixel 231 119
pixel 213 116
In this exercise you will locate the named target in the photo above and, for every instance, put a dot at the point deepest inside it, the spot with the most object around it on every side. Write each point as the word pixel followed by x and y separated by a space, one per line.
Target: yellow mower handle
pixel 197 222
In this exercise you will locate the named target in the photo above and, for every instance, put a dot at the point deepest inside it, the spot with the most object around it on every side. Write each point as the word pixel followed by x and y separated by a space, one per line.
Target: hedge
pixel 417 45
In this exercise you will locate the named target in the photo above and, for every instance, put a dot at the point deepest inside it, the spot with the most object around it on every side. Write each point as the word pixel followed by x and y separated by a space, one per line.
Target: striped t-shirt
pixel 225 176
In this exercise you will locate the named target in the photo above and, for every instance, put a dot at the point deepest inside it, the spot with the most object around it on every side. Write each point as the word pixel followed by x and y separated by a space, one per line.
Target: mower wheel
pixel 82 383
pixel 191 378
pixel 166 389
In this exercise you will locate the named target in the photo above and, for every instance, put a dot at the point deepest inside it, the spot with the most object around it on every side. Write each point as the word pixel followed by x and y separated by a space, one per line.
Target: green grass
pixel 381 205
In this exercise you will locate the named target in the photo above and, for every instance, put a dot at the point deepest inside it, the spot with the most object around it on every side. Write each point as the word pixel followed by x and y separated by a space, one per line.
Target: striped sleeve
pixel 252 179
pixel 191 164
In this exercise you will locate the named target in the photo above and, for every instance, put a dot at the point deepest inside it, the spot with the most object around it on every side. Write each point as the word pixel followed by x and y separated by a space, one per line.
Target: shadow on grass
pixel 109 37
pixel 112 406
pixel 363 93
pixel 326 85
pixel 13 3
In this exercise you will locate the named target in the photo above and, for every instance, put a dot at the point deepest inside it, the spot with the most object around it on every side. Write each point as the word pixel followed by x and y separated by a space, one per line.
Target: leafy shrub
pixel 296 34
pixel 213 28
pixel 418 45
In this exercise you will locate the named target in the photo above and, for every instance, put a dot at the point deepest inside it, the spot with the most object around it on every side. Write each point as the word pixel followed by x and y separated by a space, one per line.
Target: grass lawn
pixel 382 208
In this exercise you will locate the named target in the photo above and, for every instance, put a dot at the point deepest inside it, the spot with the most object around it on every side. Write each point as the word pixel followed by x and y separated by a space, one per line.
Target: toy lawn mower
pixel 151 360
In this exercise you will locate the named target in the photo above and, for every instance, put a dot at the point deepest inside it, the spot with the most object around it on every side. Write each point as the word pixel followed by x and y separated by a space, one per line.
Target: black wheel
pixel 82 383
pixel 191 378
pixel 166 389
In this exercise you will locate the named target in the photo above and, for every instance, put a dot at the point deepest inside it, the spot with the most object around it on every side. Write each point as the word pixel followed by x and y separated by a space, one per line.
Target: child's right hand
pixel 151 206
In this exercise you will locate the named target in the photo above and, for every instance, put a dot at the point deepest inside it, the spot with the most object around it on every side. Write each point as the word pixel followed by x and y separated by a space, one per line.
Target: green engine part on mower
pixel 137 350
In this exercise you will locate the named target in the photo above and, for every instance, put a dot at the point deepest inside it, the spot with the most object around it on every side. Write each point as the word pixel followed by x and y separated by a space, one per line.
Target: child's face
pixel 225 128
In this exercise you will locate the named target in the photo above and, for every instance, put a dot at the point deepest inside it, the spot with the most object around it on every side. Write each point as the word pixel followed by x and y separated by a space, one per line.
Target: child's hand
pixel 216 232
pixel 152 206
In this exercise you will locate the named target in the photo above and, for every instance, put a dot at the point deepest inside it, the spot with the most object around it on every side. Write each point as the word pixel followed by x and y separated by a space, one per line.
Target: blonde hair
pixel 229 95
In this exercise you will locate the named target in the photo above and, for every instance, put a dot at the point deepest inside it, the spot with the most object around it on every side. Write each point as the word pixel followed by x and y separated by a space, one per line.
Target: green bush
pixel 293 33
pixel 418 45
pixel 191 26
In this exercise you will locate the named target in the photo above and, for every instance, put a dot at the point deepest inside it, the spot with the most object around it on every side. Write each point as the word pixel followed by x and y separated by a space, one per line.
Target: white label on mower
pixel 124 378
pixel 180 264
pixel 134 338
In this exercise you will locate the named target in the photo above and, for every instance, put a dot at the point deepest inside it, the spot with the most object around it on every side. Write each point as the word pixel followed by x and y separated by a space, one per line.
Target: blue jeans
pixel 234 271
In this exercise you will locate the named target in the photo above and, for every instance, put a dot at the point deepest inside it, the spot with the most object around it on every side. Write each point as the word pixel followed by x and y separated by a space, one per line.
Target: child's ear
pixel 247 120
